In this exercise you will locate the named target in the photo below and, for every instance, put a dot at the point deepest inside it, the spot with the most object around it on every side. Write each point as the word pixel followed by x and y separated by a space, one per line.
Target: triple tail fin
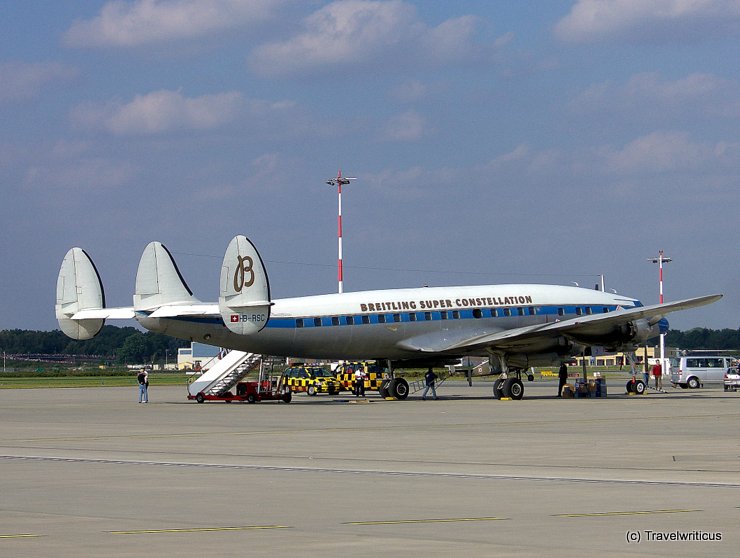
pixel 79 288
pixel 158 280
pixel 244 295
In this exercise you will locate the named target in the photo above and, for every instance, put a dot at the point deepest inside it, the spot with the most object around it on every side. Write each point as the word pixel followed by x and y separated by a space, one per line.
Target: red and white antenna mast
pixel 660 260
pixel 340 181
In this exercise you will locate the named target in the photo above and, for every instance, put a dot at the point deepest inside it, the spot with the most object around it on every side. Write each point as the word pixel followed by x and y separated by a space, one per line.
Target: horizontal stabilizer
pixel 79 288
pixel 203 309
pixel 123 313
pixel 244 295
pixel 158 280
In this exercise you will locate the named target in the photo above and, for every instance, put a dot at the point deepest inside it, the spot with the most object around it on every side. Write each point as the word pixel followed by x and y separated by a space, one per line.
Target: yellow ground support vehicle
pixel 311 379
pixel 376 379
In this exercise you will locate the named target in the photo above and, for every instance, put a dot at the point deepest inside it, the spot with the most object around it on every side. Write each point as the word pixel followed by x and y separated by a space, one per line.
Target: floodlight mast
pixel 660 260
pixel 340 181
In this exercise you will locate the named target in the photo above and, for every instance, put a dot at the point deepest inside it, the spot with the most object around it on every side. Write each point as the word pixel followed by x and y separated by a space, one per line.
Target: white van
pixel 693 371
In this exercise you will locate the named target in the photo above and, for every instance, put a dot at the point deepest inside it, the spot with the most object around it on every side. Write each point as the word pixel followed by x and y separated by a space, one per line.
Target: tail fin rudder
pixel 79 288
pixel 158 280
pixel 244 296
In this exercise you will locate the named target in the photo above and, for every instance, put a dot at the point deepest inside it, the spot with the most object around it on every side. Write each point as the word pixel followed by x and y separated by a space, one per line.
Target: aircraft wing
pixel 582 326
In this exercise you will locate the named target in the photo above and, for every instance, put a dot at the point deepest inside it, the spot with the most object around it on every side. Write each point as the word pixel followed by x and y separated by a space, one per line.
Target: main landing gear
pixel 509 384
pixel 510 388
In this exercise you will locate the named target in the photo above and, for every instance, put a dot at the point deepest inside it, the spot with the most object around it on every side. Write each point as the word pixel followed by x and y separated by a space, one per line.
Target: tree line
pixel 119 344
pixel 702 338
pixel 129 345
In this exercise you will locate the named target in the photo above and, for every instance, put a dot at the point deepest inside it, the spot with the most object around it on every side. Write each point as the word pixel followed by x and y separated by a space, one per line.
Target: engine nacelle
pixel 623 336
pixel 633 333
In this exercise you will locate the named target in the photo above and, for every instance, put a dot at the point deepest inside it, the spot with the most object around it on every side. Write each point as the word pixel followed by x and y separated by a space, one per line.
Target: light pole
pixel 660 260
pixel 340 181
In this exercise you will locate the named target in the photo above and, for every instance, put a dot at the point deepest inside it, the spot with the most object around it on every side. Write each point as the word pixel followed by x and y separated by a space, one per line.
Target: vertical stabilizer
pixel 158 281
pixel 244 296
pixel 79 288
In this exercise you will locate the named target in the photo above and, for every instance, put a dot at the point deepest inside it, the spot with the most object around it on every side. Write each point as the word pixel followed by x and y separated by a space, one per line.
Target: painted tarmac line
pixel 377 472
pixel 616 513
pixel 431 520
pixel 198 530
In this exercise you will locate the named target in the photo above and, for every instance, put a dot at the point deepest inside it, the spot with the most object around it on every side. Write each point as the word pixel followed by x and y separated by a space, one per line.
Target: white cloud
pixel 597 20
pixel 161 111
pixel 410 91
pixel 663 152
pixel 141 22
pixel 20 80
pixel 519 153
pixel 407 126
pixel 697 93
pixel 83 175
pixel 356 32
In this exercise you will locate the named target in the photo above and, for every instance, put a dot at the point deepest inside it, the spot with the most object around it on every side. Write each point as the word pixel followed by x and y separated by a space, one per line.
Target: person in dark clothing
pixel 429 379
pixel 562 378
pixel 143 378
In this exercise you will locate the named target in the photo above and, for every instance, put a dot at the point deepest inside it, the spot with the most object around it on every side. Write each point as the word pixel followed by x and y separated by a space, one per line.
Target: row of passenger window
pixel 443 315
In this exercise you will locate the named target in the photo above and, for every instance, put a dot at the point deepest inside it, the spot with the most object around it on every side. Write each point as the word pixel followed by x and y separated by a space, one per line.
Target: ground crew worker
pixel 562 378
pixel 359 382
pixel 429 379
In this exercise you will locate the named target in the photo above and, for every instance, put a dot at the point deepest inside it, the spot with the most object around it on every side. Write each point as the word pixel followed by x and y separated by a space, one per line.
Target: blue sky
pixel 493 141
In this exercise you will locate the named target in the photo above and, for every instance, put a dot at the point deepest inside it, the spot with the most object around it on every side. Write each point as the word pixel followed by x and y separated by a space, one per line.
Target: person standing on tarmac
pixel 562 378
pixel 143 379
pixel 429 379
pixel 359 382
pixel 658 375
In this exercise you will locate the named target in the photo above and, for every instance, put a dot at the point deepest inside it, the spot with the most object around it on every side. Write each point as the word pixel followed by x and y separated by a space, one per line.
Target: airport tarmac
pixel 90 472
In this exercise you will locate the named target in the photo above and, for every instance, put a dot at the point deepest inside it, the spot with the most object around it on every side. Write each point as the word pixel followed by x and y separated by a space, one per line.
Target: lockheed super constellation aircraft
pixel 516 326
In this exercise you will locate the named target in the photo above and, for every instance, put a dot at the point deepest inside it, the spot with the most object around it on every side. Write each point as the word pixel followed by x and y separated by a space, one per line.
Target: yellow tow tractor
pixel 311 379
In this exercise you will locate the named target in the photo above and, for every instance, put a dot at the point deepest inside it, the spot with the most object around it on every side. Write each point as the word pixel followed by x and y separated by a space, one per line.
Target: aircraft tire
pixel 630 386
pixel 513 388
pixel 640 387
pixel 498 388
pixel 399 388
pixel 200 398
pixel 383 389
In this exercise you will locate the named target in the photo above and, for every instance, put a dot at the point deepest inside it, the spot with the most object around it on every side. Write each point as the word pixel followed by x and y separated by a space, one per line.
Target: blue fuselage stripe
pixel 564 311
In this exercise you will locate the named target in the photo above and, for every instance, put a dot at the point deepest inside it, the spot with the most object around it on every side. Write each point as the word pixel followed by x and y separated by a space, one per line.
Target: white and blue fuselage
pixel 399 324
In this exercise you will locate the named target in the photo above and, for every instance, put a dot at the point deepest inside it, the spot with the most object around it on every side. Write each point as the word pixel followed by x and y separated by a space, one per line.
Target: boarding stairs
pixel 418 385
pixel 225 374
